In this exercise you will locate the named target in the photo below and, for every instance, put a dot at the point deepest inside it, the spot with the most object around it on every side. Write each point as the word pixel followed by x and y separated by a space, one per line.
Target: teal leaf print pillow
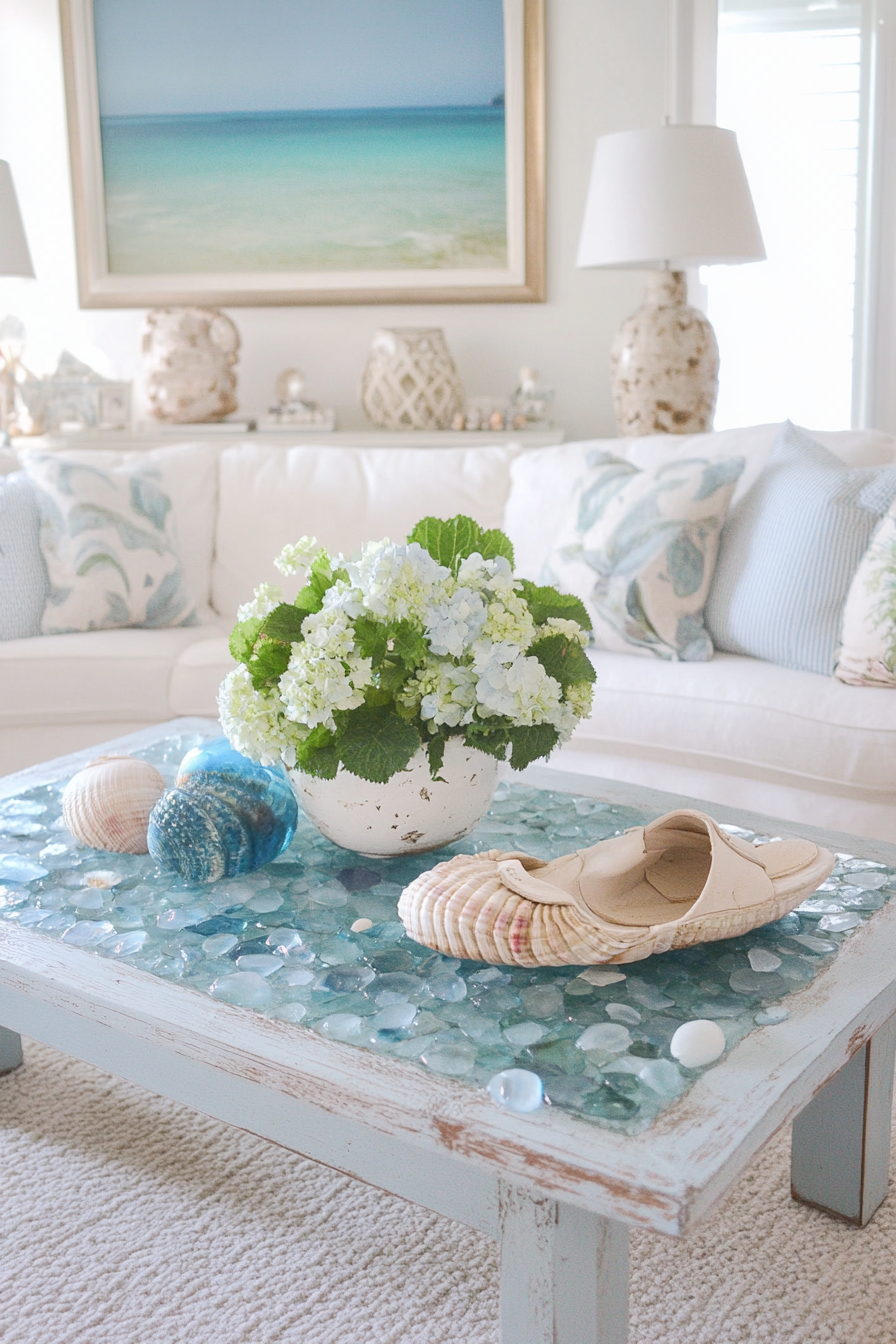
pixel 639 548
pixel 867 653
pixel 107 539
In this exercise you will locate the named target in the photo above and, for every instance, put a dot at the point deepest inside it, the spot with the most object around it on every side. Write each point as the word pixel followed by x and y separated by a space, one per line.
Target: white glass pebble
pixel 260 962
pixel 362 925
pixel 605 1036
pixel 219 944
pixel 596 975
pixel 662 1076
pixel 697 1043
pixel 623 1012
pixel 839 923
pixel 243 989
pixel 517 1090
pixel 763 961
pixel 524 1033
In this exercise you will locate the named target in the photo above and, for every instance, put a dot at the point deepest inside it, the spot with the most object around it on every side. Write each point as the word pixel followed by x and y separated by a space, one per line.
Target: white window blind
pixel 789 83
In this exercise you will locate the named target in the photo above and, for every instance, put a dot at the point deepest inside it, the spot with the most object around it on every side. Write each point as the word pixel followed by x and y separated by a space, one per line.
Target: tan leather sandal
pixel 679 881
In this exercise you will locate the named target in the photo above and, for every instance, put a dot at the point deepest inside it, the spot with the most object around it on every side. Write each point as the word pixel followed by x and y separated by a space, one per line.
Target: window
pixel 790 83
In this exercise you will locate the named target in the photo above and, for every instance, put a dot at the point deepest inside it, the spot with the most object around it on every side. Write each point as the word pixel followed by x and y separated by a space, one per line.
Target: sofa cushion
pixel 188 474
pixel 542 481
pixel 99 676
pixel 789 551
pixel 739 716
pixel 23 576
pixel 639 548
pixel 342 496
pixel 196 675
pixel 867 654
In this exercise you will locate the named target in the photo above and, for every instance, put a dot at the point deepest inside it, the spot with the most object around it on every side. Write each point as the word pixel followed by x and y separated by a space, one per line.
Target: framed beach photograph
pixel 306 151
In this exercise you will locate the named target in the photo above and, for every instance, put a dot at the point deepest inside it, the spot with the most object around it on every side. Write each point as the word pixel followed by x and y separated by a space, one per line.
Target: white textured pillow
pixel 867 653
pixel 639 548
pixel 344 497
pixel 107 540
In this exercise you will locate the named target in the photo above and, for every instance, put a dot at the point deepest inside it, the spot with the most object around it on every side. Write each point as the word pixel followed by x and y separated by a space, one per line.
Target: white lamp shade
pixel 674 195
pixel 15 259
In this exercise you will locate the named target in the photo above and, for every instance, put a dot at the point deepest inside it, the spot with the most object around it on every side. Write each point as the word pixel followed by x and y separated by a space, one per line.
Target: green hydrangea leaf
pixel 242 639
pixel 268 663
pixel 530 744
pixel 493 741
pixel 493 543
pixel 284 623
pixel 564 659
pixel 318 755
pixel 375 743
pixel 546 602
pixel 435 751
pixel 371 639
pixel 320 577
pixel 407 644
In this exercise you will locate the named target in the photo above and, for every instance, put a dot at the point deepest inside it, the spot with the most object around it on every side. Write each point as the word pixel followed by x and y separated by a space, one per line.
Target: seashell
pixel 107 804
pixel 697 1043
pixel 225 816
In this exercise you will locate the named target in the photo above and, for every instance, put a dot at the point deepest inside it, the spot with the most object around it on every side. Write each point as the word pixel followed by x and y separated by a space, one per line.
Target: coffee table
pixel 559 1190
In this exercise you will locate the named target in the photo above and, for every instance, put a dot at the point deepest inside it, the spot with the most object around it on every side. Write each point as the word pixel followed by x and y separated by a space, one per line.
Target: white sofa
pixel 735 730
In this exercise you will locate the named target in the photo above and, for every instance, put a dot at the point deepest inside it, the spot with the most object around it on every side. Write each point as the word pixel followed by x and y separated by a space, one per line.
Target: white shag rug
pixel 127 1219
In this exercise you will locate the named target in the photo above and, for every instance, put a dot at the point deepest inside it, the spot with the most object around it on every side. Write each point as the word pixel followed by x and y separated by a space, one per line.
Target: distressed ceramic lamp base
pixel 664 364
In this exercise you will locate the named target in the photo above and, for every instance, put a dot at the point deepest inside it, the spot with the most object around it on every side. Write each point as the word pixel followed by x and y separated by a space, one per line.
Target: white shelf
pixel 289 436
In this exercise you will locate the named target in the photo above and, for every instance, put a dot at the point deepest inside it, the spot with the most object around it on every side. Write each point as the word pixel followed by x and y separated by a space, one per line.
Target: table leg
pixel 10 1050
pixel 564 1273
pixel 841 1141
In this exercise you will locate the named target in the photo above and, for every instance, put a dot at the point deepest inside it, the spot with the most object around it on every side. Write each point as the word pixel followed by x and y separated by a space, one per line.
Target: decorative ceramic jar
pixel 411 812
pixel 664 363
pixel 410 381
pixel 188 359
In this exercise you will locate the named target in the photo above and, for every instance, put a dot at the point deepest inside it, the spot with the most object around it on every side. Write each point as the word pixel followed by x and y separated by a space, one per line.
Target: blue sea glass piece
pixel 225 815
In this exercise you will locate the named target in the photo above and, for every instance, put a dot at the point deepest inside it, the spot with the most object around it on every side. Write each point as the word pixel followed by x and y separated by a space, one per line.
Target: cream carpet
pixel 127 1219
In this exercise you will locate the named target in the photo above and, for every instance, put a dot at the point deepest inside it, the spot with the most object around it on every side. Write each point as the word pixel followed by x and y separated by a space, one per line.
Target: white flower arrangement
pixel 401 647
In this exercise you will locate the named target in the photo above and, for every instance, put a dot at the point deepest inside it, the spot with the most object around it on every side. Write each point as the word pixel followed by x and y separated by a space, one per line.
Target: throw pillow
pixel 23 578
pixel 789 551
pixel 639 548
pixel 867 654
pixel 106 538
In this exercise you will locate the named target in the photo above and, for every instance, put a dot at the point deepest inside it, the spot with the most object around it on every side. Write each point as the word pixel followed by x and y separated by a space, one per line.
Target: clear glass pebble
pixel 325 924
pixel 517 1090
pixel 839 923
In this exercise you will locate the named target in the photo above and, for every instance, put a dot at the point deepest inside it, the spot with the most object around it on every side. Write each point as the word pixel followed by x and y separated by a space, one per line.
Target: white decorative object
pixel 107 805
pixel 697 1043
pixel 667 199
pixel 72 399
pixel 867 653
pixel 189 355
pixel 408 814
pixel 15 259
pixel 294 409
pixel 410 381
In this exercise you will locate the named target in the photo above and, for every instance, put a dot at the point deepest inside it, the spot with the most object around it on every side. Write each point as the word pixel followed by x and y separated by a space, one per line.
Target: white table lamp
pixel 15 259
pixel 663 200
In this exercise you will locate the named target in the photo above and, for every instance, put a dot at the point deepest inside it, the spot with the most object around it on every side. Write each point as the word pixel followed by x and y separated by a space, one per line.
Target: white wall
pixel 606 64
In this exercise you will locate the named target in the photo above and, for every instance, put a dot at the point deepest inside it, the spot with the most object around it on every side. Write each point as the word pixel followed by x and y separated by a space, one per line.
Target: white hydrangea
pixel 329 630
pixel 509 622
pixel 453 623
pixel 521 691
pixel 444 694
pixel 494 575
pixel 315 685
pixel 253 723
pixel 397 583
pixel 297 555
pixel 580 698
pixel 557 625
pixel 267 597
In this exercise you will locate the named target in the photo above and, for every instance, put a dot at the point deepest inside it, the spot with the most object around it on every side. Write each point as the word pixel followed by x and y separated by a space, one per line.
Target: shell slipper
pixel 679 881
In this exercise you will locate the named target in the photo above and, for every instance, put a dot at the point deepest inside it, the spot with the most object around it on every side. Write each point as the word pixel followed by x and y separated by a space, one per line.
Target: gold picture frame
pixel 105 284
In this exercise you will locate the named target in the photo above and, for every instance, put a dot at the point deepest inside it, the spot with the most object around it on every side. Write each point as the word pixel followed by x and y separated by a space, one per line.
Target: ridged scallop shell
pixel 462 909
pixel 225 816
pixel 107 804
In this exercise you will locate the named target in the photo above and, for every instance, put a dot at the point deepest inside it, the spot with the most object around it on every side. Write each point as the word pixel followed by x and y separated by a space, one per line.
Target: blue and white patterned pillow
pixel 789 551
pixel 639 549
pixel 107 540
pixel 23 576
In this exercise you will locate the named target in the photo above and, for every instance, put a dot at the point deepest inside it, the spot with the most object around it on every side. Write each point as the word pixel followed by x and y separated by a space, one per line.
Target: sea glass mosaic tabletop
pixel 313 939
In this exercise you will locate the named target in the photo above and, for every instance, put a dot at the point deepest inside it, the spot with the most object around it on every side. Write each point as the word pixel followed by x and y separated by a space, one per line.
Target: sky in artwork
pixel 178 57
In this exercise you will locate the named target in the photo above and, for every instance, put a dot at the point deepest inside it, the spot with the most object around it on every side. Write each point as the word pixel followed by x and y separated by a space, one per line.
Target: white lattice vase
pixel 410 381
pixel 411 812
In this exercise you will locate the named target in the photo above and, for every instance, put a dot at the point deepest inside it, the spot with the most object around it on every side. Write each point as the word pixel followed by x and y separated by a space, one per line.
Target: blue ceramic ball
pixel 225 816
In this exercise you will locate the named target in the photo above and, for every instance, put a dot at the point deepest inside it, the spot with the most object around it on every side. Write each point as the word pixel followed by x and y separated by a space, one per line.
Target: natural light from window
pixel 790 89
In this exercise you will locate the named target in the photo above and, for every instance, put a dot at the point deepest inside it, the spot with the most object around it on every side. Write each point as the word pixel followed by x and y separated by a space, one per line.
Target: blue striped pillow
pixel 789 551
pixel 23 575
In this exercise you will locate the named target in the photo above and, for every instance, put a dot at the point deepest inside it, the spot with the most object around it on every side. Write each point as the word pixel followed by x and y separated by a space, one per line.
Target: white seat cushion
pixel 739 716
pixel 97 677
pixel 198 672
pixel 342 496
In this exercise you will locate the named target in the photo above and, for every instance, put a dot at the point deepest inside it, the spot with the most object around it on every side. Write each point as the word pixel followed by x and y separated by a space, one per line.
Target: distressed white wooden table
pixel 560 1193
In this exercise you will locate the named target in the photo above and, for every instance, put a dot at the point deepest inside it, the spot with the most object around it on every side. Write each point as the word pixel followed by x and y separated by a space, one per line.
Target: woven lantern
pixel 410 381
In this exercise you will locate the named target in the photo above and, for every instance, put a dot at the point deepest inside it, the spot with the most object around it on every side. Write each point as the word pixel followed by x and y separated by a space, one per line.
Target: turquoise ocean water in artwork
pixel 381 189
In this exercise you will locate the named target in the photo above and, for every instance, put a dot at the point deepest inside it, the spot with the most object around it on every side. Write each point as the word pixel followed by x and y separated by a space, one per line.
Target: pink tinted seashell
pixel 107 804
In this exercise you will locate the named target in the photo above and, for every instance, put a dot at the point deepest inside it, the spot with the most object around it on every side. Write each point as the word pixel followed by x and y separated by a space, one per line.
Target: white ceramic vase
pixel 409 814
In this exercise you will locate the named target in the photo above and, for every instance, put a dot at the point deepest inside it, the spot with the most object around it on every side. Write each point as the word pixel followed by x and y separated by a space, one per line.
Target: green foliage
pixel 545 603
pixel 493 740
pixel 435 752
pixel 378 743
pixel 321 576
pixel 451 540
pixel 268 663
pixel 563 659
pixel 242 639
pixel 284 623
pixel 529 744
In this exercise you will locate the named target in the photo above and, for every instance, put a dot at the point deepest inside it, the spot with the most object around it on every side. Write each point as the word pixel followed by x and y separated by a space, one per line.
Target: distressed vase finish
pixel 664 364
pixel 225 816
pixel 411 812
